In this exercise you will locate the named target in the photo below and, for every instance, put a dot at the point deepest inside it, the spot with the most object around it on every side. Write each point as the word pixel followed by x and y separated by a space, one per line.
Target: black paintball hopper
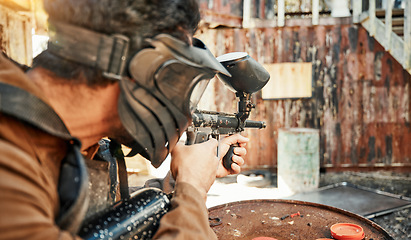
pixel 241 66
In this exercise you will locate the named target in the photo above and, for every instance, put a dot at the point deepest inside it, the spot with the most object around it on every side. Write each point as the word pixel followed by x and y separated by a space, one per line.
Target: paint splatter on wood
pixel 361 95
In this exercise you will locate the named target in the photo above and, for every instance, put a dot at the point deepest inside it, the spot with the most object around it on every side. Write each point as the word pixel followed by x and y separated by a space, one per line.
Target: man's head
pixel 136 19
pixel 147 47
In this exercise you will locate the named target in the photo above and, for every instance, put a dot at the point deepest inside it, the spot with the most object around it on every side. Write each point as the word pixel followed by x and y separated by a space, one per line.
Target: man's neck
pixel 89 113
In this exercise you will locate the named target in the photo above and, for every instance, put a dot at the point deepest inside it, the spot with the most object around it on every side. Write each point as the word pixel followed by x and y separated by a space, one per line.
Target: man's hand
pixel 239 153
pixel 199 165
pixel 195 164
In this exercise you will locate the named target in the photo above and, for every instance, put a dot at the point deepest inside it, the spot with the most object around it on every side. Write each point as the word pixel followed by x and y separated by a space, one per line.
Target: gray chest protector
pixel 73 180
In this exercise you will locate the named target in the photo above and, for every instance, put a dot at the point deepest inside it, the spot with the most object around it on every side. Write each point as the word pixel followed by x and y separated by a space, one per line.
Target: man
pixel 110 72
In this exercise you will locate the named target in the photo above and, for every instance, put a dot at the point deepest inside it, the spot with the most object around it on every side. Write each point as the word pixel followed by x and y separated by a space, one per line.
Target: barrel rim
pixel 321 206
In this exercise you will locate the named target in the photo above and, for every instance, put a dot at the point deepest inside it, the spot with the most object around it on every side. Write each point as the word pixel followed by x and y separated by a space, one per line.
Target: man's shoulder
pixel 11 73
pixel 29 115
pixel 21 137
pixel 15 157
pixel 26 182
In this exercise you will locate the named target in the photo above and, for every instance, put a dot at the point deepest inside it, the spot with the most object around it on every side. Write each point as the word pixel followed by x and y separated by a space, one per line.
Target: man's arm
pixel 195 168
pixel 188 218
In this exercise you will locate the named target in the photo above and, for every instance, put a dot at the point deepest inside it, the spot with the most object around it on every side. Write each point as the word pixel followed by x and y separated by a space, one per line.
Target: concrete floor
pixel 227 190
pixel 224 190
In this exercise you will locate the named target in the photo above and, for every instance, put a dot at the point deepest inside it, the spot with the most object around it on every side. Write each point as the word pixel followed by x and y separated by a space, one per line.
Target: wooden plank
pixel 247 13
pixel 288 80
pixel 388 25
pixel 372 17
pixel 4 37
pixel 23 3
pixel 15 38
pixel 17 5
pixel 214 19
pixel 357 10
pixel 281 13
pixel 395 12
pixel 399 21
pixel 407 36
pixel 315 7
pixel 41 17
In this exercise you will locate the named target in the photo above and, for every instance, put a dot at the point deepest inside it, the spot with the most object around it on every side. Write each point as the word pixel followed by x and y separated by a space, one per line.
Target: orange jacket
pixel 30 162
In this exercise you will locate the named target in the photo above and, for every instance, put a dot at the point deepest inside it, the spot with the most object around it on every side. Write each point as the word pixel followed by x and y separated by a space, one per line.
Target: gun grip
pixel 228 158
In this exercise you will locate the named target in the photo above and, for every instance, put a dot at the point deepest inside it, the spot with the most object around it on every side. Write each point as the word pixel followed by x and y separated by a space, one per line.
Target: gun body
pixel 208 124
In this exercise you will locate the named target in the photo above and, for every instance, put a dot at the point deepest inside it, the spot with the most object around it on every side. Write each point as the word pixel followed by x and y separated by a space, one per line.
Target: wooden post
pixel 246 13
pixel 357 10
pixel 281 13
pixel 388 25
pixel 315 9
pixel 371 12
pixel 407 36
pixel 16 39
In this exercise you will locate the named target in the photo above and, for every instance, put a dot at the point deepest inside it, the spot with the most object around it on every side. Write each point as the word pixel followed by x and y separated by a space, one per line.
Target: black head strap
pixel 104 52
pixel 27 107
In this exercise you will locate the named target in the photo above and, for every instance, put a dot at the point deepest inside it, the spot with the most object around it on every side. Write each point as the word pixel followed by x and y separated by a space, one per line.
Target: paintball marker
pixel 138 216
pixel 247 77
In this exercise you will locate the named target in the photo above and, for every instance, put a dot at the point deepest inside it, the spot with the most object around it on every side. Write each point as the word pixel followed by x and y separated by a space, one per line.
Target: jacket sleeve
pixel 188 217
pixel 28 199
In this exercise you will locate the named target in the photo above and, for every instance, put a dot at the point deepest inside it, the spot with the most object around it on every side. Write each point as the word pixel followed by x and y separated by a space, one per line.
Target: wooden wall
pixel 230 12
pixel 361 95
pixel 16 31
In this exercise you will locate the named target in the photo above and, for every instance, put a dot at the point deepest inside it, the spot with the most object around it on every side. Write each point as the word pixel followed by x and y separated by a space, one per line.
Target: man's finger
pixel 238 160
pixel 235 169
pixel 237 138
pixel 240 151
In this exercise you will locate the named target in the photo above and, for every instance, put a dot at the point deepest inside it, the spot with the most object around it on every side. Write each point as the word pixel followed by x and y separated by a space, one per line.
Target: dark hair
pixel 137 19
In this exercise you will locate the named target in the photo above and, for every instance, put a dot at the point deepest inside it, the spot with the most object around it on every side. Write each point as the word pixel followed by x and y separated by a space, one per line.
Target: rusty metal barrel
pixel 284 220
pixel 298 159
